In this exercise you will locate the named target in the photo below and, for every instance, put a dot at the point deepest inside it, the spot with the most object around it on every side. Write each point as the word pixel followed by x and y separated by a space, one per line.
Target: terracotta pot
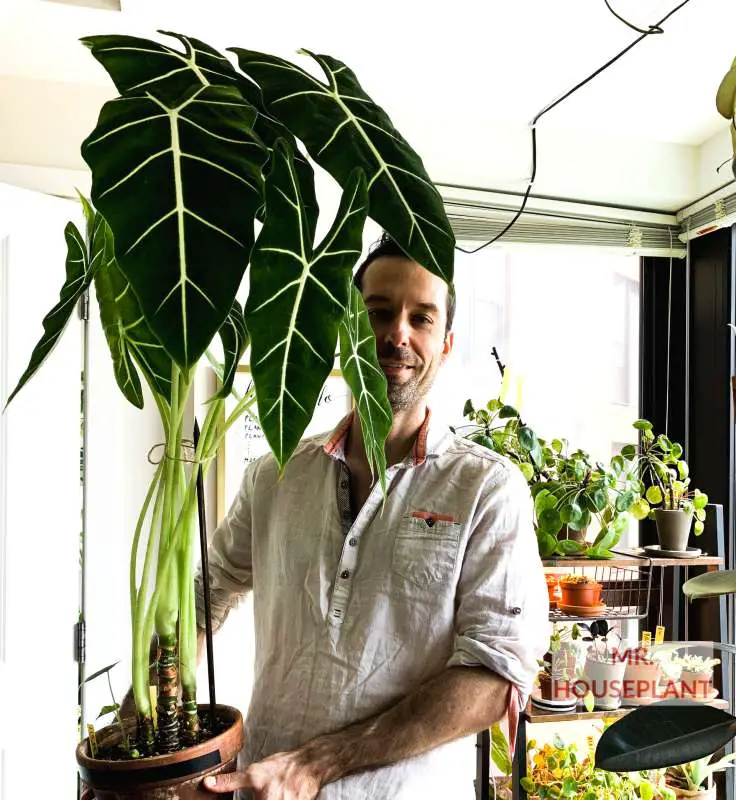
pixel 696 684
pixel 673 528
pixel 641 679
pixel 555 689
pixel 552 589
pixel 581 594
pixel 175 776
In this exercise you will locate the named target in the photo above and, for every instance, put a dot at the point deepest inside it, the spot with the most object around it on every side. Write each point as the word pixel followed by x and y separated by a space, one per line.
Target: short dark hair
pixel 387 247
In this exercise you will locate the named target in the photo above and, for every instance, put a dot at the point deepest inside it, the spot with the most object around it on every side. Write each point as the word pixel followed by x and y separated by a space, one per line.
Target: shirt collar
pixel 429 441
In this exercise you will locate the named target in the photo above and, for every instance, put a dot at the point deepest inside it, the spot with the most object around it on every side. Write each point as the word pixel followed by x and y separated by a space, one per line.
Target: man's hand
pixel 282 776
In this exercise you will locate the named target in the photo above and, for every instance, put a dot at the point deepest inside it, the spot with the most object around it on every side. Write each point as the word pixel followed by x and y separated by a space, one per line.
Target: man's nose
pixel 398 332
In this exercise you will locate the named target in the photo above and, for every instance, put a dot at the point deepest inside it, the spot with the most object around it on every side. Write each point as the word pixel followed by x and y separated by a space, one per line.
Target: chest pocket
pixel 426 554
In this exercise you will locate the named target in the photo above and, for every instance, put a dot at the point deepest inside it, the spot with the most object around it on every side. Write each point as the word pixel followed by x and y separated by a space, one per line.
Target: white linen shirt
pixel 445 573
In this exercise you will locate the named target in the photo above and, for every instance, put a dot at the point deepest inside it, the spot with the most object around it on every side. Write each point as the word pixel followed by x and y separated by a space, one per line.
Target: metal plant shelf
pixel 626 590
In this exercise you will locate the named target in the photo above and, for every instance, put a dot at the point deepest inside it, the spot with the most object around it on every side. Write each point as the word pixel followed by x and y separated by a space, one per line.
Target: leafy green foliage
pixel 366 380
pixel 500 751
pixel 201 154
pixel 292 285
pixel 344 126
pixel 80 270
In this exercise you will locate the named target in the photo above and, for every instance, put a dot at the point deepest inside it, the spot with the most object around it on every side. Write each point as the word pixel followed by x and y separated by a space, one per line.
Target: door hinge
pixel 80 642
pixel 83 306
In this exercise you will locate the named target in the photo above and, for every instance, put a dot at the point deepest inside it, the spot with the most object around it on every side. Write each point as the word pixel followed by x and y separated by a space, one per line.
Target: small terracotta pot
pixel 555 689
pixel 552 584
pixel 696 684
pixel 641 680
pixel 581 594
pixel 175 776
pixel 568 533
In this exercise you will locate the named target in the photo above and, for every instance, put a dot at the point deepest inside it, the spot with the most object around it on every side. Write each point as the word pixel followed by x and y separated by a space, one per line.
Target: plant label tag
pixel 646 638
pixel 92 739
pixel 154 711
pixel 659 634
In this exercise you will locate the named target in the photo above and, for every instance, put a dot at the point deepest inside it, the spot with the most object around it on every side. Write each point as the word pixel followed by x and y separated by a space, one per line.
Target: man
pixel 383 633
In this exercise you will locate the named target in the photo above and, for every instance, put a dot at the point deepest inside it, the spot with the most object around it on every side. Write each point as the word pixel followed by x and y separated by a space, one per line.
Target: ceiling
pixel 478 66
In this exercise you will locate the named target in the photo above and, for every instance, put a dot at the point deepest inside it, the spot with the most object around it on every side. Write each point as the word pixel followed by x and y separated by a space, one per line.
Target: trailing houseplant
pixel 664 487
pixel 187 163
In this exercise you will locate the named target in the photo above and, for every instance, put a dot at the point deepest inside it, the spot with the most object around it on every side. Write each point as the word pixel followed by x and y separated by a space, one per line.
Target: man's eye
pixel 379 313
pixel 423 319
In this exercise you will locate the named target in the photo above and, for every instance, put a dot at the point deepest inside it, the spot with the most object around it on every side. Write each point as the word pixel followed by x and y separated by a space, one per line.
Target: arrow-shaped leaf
pixel 99 672
pixel 297 299
pixel 129 337
pixel 194 169
pixel 367 382
pixel 139 66
pixel 234 336
pixel 79 273
pixel 340 125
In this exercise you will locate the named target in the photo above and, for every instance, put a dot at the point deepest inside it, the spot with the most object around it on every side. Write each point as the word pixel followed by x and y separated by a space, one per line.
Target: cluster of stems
pixel 162 599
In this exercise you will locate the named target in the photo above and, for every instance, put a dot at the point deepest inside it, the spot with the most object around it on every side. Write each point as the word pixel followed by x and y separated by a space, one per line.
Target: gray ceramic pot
pixel 673 528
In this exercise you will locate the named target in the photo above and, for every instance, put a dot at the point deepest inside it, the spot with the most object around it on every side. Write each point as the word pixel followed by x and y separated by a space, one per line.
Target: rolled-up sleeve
pixel 502 617
pixel 230 556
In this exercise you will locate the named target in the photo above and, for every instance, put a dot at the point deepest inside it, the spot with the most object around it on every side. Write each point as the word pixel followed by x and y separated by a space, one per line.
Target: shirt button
pixel 353 542
pixel 345 574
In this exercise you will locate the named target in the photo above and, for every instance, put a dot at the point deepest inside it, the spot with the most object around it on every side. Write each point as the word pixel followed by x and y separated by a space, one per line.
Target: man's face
pixel 407 307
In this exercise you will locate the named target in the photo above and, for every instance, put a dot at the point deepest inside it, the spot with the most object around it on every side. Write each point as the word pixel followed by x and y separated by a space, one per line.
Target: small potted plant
pixel 559 666
pixel 665 492
pixel 696 675
pixel 604 668
pixel 580 592
pixel 694 780
pixel 642 675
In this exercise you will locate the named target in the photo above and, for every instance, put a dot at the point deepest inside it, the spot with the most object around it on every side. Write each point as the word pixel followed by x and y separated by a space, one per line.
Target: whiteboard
pixel 245 441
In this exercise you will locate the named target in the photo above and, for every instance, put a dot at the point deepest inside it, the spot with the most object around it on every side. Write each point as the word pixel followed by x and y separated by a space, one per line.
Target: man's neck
pixel 399 442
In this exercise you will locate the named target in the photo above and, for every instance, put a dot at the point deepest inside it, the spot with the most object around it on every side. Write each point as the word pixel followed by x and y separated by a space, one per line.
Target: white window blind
pixel 479 215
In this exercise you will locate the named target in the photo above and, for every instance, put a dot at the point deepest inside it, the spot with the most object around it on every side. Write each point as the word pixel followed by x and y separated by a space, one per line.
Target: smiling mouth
pixel 395 365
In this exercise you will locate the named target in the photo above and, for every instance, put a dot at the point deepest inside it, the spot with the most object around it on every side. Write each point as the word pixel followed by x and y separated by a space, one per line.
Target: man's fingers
pixel 227 782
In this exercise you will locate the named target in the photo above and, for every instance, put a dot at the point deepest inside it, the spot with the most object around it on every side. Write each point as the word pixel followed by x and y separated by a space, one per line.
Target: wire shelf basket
pixel 625 593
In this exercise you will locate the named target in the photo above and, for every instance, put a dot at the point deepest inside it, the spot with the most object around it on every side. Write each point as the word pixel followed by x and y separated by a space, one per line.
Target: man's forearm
pixel 458 702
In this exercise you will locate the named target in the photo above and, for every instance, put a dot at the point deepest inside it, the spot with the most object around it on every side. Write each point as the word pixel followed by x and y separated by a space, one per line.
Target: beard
pixel 404 395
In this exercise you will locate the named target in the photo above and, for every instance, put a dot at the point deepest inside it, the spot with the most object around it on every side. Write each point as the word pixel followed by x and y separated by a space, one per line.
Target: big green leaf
pixel 662 735
pixel 710 584
pixel 500 751
pixel 234 336
pixel 341 125
pixel 297 300
pixel 79 273
pixel 131 342
pixel 140 66
pixel 367 382
pixel 194 169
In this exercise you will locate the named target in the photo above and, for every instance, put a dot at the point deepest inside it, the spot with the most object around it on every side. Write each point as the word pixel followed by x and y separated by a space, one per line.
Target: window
pixel 565 322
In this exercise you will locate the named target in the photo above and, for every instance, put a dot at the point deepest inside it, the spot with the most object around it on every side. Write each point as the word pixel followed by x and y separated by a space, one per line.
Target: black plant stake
pixel 205 584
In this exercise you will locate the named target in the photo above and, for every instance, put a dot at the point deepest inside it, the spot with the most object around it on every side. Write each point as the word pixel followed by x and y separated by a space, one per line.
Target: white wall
pixel 711 155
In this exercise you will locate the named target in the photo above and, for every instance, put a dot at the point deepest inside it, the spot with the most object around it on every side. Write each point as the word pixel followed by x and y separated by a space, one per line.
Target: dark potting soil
pixel 118 753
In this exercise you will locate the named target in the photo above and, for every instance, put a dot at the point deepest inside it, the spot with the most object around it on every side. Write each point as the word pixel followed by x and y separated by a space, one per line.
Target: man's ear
pixel 449 342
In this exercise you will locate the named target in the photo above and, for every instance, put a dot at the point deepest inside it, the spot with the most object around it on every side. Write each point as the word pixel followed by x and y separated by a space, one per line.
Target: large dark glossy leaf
pixel 341 126
pixel 367 382
pixel 131 342
pixel 662 735
pixel 296 301
pixel 194 169
pixel 79 272
pixel 234 337
pixel 710 584
pixel 140 65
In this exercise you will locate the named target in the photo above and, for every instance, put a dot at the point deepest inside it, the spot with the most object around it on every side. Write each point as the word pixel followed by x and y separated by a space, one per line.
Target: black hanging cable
pixel 652 28
pixel 656 28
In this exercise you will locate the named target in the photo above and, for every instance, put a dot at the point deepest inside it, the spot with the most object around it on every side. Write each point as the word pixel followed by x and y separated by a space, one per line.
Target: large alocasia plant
pixel 185 163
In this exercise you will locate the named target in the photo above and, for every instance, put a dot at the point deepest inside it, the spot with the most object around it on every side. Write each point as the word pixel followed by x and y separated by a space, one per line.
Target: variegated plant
pixel 186 163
